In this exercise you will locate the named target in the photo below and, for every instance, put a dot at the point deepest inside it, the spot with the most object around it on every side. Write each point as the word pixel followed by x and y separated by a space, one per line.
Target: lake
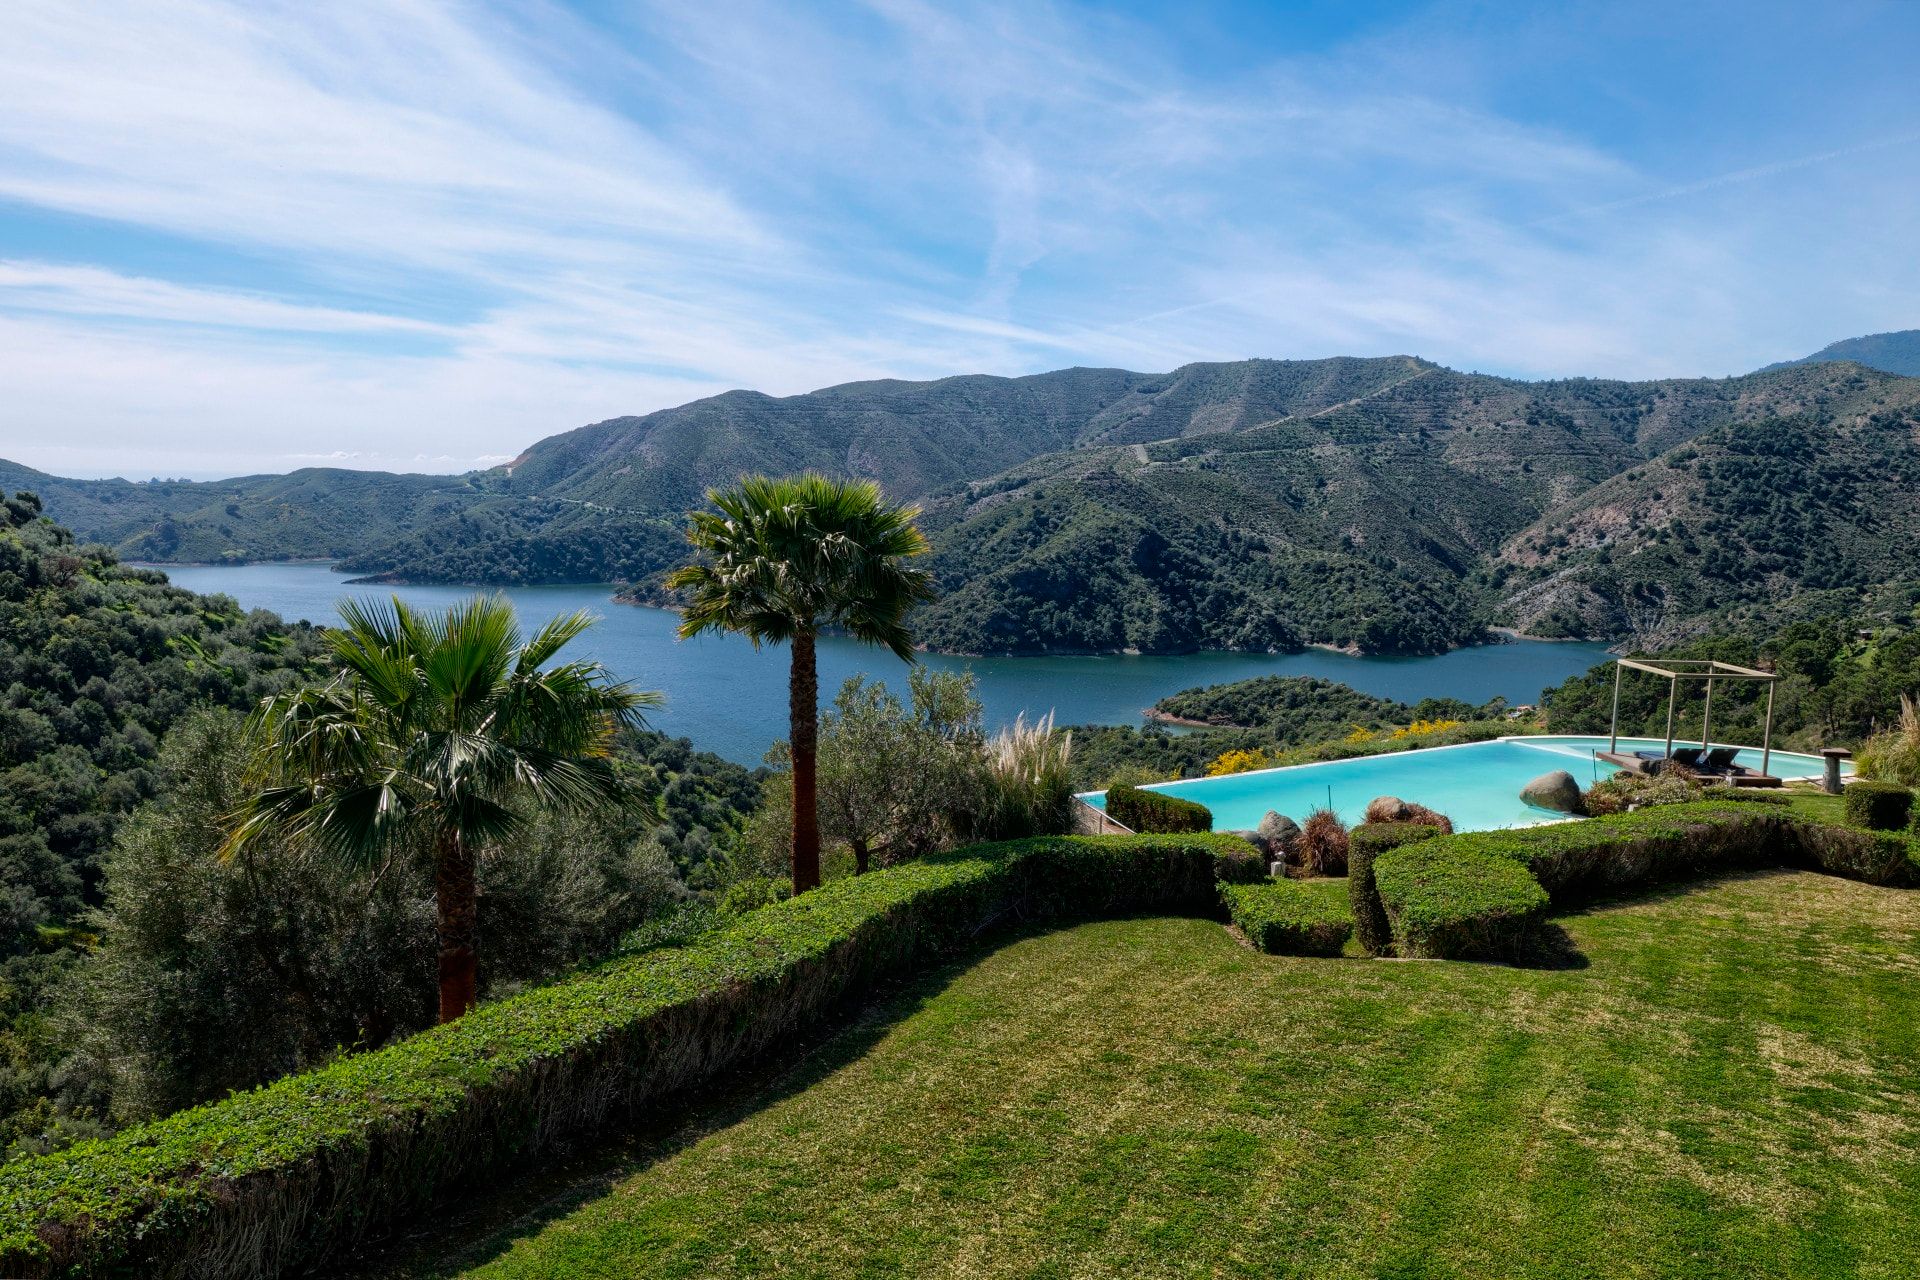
pixel 732 700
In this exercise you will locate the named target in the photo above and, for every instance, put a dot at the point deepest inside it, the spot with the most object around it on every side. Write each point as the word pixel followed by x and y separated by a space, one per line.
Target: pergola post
pixel 1706 720
pixel 1673 698
pixel 1766 735
pixel 1613 729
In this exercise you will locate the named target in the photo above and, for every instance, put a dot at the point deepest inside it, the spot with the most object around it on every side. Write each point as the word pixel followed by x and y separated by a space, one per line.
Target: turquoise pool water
pixel 1477 784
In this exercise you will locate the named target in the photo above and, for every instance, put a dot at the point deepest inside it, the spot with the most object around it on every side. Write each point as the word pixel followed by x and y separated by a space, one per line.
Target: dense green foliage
pixel 1290 709
pixel 97 663
pixel 1292 917
pixel 1879 806
pixel 291 1171
pixel 1837 684
pixel 216 974
pixel 1140 810
pixel 438 735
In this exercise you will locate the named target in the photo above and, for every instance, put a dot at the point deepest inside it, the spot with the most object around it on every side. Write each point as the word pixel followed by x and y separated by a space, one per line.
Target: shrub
pixel 1237 761
pixel 1893 754
pixel 750 893
pixel 1382 810
pixel 1444 901
pixel 1365 843
pixel 287 1175
pixel 1639 790
pixel 1155 812
pixel 1292 917
pixel 1572 859
pixel 1877 857
pixel 1323 844
pixel 1027 782
pixel 1878 806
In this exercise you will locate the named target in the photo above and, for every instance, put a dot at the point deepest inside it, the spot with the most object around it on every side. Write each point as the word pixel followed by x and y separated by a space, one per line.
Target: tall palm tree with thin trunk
pixel 780 561
pixel 436 734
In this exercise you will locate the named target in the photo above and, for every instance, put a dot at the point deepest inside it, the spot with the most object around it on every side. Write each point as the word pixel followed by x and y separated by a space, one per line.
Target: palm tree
pixel 784 558
pixel 436 732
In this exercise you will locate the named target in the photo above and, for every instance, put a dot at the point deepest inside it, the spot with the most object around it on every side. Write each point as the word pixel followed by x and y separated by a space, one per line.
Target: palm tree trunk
pixel 803 712
pixel 457 900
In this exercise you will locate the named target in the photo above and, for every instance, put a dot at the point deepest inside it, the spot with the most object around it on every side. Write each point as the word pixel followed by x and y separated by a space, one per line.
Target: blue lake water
pixel 1477 785
pixel 732 700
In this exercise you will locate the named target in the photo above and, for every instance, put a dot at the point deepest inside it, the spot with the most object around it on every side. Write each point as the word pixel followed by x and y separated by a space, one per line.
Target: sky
pixel 418 235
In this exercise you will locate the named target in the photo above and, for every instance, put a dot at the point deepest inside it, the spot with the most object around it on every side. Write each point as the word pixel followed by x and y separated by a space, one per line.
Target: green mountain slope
pixel 1364 525
pixel 311 513
pixel 1751 522
pixel 1383 504
pixel 1896 352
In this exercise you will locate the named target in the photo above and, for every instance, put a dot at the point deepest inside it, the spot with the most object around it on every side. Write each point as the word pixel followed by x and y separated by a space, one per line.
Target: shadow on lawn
pixel 490 1218
pixel 1553 947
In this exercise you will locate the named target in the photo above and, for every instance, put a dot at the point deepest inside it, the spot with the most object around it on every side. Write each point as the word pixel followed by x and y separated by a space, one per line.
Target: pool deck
pixel 1742 778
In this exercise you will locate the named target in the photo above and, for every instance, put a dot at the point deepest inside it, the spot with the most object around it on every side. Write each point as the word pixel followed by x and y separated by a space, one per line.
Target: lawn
pixel 1724 1081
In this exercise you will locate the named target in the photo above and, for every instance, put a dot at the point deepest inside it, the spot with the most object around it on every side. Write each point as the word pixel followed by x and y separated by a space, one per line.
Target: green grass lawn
pixel 1726 1082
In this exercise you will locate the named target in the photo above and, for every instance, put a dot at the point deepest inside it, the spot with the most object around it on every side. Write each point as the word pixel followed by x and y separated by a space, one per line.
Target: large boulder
pixel 1389 809
pixel 1277 834
pixel 1557 791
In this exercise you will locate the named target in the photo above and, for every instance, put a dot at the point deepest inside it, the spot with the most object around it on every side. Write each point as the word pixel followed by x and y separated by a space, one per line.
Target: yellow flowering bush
pixel 1419 727
pixel 1238 762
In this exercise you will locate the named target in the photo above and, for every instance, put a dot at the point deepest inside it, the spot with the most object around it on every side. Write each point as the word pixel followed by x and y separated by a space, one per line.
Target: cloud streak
pixel 427 233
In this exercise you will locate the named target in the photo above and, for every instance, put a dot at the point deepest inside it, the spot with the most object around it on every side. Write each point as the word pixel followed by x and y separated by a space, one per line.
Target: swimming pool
pixel 1477 784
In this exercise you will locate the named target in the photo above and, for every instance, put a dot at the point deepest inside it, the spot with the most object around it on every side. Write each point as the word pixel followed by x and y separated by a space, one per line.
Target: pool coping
pixel 1523 738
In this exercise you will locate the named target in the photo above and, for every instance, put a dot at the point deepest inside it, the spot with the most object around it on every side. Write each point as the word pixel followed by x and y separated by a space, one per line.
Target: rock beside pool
pixel 1557 791
pixel 1276 834
pixel 1389 809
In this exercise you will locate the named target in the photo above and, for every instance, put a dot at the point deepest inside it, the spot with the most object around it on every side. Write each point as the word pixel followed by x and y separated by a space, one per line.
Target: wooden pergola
pixel 1677 669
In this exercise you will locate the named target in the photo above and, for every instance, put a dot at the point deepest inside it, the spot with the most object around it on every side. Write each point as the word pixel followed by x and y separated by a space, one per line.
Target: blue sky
pixel 420 235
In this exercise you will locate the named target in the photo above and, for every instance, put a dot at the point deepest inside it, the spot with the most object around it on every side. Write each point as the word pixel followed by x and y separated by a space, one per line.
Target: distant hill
pixel 1897 352
pixel 1385 504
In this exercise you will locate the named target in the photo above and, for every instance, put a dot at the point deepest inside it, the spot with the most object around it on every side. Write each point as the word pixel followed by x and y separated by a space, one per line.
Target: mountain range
pixel 1382 504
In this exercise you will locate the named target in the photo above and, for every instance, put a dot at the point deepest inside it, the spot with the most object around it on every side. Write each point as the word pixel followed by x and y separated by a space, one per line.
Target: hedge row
pixel 286 1175
pixel 1365 844
pixel 1292 917
pixel 1445 901
pixel 1881 806
pixel 1483 893
pixel 1150 811
pixel 1673 842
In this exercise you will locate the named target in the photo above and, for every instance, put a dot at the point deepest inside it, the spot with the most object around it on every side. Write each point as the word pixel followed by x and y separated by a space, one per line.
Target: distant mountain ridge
pixel 1382 504
pixel 1896 352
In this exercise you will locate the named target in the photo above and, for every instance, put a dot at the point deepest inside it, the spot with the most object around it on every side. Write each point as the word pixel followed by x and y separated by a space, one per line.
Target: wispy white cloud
pixel 459 228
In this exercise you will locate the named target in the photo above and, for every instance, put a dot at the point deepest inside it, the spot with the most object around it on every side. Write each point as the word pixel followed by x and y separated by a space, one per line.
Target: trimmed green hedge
pixel 1150 811
pixel 1878 806
pixel 1292 917
pixel 1460 895
pixel 1365 843
pixel 286 1175
pixel 1446 901
pixel 1680 841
